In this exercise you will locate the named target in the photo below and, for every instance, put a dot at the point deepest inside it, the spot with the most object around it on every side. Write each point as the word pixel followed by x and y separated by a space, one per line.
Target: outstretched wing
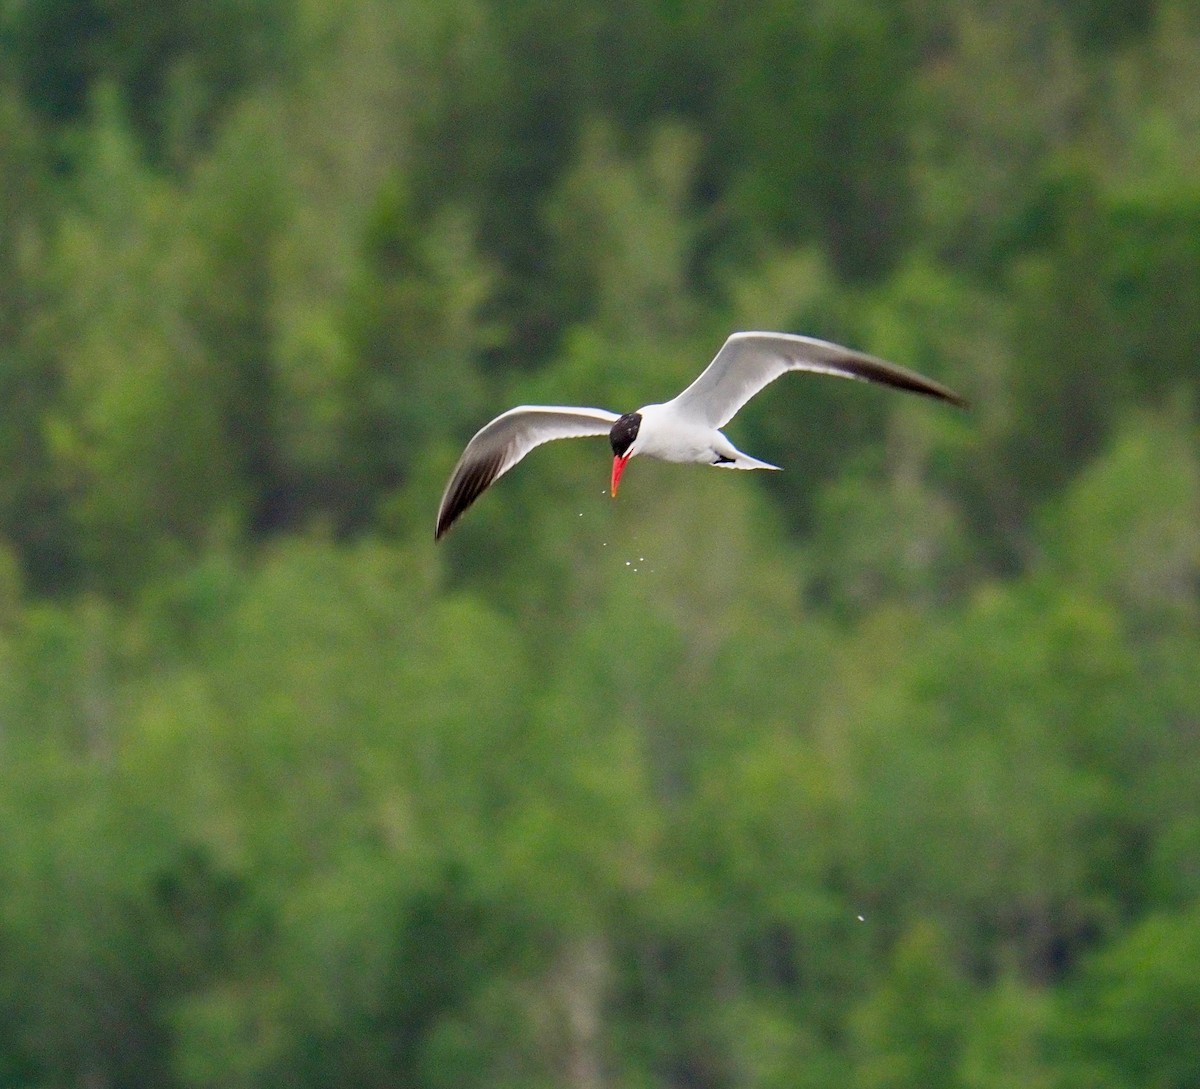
pixel 749 361
pixel 499 445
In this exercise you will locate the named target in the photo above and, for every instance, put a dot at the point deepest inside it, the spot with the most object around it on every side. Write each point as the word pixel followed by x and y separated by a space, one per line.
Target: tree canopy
pixel 879 772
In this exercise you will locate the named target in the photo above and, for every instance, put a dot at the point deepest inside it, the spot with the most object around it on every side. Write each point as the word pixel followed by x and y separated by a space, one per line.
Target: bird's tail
pixel 745 461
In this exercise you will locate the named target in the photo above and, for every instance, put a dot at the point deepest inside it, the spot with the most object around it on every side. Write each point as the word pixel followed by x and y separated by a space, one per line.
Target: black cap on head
pixel 623 432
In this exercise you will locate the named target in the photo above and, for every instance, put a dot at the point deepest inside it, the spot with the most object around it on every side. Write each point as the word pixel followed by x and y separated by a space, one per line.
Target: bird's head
pixel 623 436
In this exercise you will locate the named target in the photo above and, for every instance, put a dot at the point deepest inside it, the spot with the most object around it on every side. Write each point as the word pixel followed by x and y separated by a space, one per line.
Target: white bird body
pixel 668 434
pixel 684 429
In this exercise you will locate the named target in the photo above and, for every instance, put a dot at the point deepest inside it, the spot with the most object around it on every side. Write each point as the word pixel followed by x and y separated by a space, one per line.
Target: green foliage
pixel 878 772
pixel 909 1032
pixel 815 127
pixel 624 227
pixel 1134 1010
pixel 175 65
pixel 136 432
pixel 32 508
pixel 1136 546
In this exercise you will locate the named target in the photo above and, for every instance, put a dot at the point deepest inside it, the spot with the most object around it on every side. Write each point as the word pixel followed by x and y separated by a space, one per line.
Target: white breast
pixel 671 436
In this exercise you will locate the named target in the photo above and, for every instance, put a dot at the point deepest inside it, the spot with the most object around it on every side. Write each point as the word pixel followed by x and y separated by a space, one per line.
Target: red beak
pixel 618 469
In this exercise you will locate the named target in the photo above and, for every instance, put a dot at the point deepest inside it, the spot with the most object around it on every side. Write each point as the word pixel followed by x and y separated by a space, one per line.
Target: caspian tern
pixel 684 429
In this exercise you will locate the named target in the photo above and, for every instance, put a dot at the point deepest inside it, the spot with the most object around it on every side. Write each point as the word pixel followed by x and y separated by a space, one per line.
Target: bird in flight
pixel 684 429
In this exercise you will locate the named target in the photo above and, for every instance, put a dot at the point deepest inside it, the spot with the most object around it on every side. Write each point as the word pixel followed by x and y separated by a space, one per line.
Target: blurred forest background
pixel 880 773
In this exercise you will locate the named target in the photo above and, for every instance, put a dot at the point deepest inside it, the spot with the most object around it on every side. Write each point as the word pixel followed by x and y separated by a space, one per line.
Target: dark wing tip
pixel 945 393
pixel 471 479
pixel 956 399
pixel 889 374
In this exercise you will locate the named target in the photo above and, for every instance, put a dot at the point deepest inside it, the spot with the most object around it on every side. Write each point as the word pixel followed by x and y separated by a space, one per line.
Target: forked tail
pixel 743 461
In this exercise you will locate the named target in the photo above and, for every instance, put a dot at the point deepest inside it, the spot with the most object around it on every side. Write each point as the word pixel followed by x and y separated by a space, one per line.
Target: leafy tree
pixel 977 156
pixel 909 1032
pixel 624 238
pixel 175 66
pixel 33 517
pixel 136 434
pixel 1131 1017
pixel 1138 547
pixel 880 771
pixel 1006 1045
pixel 985 755
pixel 1153 281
